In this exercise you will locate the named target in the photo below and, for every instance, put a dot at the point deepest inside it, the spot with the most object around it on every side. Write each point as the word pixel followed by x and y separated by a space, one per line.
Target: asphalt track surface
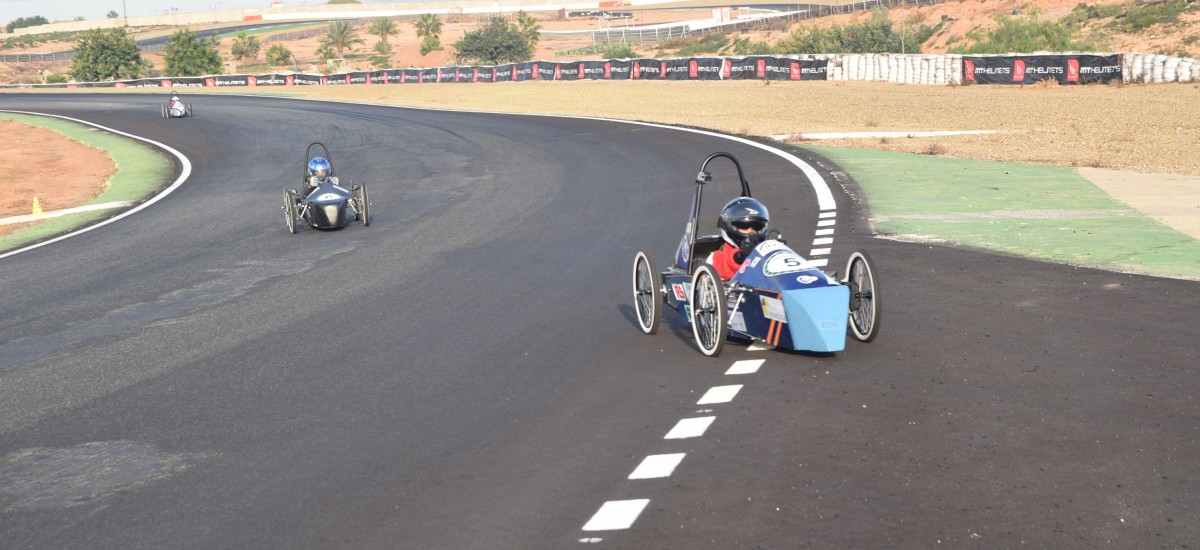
pixel 466 371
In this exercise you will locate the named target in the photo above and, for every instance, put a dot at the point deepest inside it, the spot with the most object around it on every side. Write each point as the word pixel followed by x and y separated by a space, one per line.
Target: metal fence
pixel 656 33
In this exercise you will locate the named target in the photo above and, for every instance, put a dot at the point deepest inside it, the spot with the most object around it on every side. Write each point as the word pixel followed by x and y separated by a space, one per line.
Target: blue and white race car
pixel 777 297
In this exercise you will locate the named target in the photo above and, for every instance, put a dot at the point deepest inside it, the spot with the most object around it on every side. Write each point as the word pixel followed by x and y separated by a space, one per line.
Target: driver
pixel 743 224
pixel 175 103
pixel 318 173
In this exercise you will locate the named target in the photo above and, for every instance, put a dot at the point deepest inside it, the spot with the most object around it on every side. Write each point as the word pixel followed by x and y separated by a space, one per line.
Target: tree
pixel 429 28
pixel 529 28
pixel 112 14
pixel 107 55
pixel 384 28
pixel 22 22
pixel 325 53
pixel 279 54
pixel 339 36
pixel 496 43
pixel 245 47
pixel 187 55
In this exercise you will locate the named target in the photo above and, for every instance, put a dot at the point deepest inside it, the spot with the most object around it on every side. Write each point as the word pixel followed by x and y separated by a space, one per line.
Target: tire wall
pixel 946 69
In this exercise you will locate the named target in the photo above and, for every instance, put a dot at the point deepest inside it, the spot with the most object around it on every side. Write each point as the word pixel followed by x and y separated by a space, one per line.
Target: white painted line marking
pixel 819 251
pixel 656 466
pixel 824 232
pixel 832 214
pixel 719 394
pixel 826 223
pixel 819 263
pixel 826 240
pixel 616 514
pixel 746 366
pixel 690 427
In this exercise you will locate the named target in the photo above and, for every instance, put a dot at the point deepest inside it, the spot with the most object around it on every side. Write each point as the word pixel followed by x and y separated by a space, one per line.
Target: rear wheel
pixel 710 318
pixel 645 292
pixel 864 296
pixel 164 111
pixel 188 110
pixel 289 210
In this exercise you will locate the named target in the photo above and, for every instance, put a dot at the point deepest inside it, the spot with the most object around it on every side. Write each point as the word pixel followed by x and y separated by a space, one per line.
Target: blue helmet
pixel 318 167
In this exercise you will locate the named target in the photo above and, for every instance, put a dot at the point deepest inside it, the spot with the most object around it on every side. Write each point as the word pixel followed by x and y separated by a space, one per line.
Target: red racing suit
pixel 722 260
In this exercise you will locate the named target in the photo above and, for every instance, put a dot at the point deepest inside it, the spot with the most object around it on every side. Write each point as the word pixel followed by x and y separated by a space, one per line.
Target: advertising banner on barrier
pixel 1030 69
pixel 676 69
pixel 526 70
pixel 618 69
pixel 704 68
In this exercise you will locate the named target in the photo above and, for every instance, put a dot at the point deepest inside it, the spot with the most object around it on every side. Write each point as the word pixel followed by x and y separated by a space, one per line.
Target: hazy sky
pixel 55 10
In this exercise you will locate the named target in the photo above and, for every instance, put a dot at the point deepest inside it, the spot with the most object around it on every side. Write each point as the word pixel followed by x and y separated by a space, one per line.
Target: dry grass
pixel 1140 128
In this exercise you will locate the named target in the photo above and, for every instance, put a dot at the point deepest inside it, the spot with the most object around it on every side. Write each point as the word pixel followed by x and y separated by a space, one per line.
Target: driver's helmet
pixel 174 98
pixel 739 214
pixel 318 167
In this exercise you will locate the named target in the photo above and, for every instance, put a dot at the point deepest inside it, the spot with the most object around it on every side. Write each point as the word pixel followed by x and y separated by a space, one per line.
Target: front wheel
pixel 289 210
pixel 864 296
pixel 364 206
pixel 710 318
pixel 164 111
pixel 645 292
pixel 188 110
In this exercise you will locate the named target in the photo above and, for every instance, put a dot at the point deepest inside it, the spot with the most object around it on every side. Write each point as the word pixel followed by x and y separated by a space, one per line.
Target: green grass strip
pixel 141 170
pixel 1043 212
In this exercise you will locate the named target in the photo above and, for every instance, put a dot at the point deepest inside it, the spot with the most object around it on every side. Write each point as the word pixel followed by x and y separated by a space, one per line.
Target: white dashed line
pixel 745 366
pixel 616 514
pixel 719 394
pixel 824 232
pixel 826 223
pixel 820 252
pixel 831 214
pixel 690 427
pixel 826 240
pixel 819 263
pixel 656 466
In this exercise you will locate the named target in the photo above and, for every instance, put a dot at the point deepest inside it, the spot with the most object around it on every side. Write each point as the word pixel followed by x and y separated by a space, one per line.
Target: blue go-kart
pixel 777 297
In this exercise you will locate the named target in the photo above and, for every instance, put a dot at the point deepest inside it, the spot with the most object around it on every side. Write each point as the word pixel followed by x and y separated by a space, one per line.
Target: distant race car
pixel 324 203
pixel 176 109
pixel 777 297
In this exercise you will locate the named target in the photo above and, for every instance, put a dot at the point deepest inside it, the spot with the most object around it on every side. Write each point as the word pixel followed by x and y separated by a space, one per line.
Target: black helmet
pixel 743 213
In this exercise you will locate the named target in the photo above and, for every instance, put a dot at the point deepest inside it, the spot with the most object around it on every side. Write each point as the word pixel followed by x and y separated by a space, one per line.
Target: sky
pixel 56 10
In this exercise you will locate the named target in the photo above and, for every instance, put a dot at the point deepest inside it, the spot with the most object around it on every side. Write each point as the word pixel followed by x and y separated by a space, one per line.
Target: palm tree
pixel 339 36
pixel 429 26
pixel 384 28
pixel 245 46
pixel 529 28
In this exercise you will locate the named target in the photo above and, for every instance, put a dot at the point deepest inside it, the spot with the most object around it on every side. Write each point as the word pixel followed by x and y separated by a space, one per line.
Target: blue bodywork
pixel 778 297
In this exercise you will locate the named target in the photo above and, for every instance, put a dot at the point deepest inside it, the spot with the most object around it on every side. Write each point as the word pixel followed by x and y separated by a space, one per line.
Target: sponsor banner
pixel 1030 69
pixel 618 69
pixel 704 68
pixel 271 79
pixel 648 69
pixel 545 70
pixel 411 76
pixel 198 82
pixel 569 71
pixel 524 71
pixel 675 69
pixel 429 76
pixel 223 80
pixel 307 79
pixel 503 73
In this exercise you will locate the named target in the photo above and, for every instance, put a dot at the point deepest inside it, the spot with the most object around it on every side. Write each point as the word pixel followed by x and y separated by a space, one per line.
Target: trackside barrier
pixel 1070 68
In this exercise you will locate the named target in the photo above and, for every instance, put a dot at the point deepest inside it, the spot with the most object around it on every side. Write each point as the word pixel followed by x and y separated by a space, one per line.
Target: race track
pixel 466 371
